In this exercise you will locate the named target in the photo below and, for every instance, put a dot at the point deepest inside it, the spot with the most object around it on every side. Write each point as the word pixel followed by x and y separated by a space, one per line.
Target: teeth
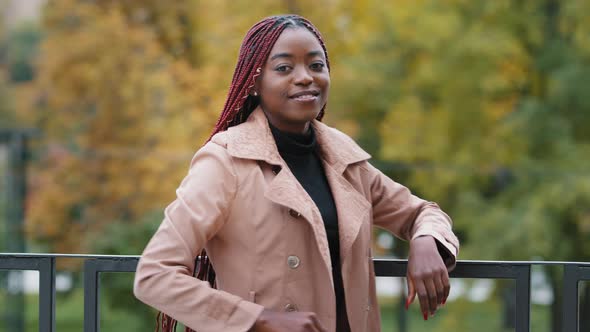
pixel 305 97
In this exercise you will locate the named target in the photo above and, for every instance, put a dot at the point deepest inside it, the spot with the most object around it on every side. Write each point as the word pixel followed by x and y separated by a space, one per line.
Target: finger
pixel 317 324
pixel 447 285
pixel 411 291
pixel 440 289
pixel 431 289
pixel 423 297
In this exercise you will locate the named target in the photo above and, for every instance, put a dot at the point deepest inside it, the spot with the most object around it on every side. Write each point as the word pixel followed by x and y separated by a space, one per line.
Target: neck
pixel 291 128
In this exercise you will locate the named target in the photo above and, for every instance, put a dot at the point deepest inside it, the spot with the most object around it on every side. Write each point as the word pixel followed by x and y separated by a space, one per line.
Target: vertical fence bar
pixel 91 321
pixel 14 262
pixel 92 268
pixel 47 294
pixel 523 298
pixel 570 298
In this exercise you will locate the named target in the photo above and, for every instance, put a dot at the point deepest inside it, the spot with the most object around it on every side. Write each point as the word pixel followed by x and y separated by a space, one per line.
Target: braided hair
pixel 239 105
pixel 254 51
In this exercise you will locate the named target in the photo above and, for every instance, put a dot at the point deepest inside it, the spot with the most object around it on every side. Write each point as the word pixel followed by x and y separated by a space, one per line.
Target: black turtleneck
pixel 302 156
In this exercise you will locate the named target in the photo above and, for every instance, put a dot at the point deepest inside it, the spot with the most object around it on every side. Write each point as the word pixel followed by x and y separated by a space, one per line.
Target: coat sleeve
pixel 164 278
pixel 407 216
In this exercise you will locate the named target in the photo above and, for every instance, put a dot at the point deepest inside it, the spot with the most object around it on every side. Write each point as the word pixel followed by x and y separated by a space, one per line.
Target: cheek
pixel 274 87
pixel 324 82
pixel 323 79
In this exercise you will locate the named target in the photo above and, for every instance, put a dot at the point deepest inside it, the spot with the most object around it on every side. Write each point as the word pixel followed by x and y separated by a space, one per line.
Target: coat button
pixel 290 307
pixel 293 261
pixel 276 169
pixel 294 213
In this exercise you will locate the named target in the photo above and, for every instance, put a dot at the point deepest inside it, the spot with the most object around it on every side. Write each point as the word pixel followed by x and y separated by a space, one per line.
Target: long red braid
pixel 254 51
pixel 239 104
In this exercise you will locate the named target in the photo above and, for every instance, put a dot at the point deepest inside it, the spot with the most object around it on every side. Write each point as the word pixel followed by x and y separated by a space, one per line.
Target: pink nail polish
pixel 407 303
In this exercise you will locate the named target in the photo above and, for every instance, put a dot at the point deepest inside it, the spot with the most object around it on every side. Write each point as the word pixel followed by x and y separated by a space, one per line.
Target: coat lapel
pixel 339 152
pixel 253 140
pixel 352 209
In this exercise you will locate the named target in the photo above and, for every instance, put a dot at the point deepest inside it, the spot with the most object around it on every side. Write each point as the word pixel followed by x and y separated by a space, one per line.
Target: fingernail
pixel 407 303
pixel 425 316
pixel 444 301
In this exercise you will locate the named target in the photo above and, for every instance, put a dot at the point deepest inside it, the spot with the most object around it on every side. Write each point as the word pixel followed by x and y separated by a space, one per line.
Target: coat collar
pixel 253 140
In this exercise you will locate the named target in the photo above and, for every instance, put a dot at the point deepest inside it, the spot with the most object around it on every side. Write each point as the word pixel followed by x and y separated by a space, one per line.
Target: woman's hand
pixel 273 321
pixel 427 275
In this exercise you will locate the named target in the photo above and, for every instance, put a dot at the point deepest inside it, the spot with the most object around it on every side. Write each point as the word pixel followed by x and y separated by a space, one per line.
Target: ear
pixel 257 78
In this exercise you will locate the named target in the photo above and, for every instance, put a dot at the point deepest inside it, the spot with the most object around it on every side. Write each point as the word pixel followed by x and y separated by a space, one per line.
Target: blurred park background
pixel 481 106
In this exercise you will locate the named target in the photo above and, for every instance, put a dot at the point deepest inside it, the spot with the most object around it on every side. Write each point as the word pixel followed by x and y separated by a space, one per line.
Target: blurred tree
pixel 480 106
pixel 122 105
pixel 483 103
pixel 118 86
pixel 18 50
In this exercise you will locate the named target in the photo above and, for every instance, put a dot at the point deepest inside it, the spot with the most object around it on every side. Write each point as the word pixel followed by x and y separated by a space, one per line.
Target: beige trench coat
pixel 266 238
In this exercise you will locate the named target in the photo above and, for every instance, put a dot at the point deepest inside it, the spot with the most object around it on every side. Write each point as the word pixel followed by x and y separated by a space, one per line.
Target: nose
pixel 302 76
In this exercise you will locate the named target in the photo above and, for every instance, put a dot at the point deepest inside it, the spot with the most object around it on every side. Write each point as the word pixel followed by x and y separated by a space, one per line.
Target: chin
pixel 307 115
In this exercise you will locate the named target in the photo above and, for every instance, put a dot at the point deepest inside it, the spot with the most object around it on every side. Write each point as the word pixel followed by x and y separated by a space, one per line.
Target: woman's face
pixel 294 82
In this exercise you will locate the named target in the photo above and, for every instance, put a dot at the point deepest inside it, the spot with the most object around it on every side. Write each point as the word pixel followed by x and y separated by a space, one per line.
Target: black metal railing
pixel 520 271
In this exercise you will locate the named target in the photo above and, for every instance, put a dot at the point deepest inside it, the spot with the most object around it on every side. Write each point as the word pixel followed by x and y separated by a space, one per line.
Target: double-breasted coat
pixel 266 238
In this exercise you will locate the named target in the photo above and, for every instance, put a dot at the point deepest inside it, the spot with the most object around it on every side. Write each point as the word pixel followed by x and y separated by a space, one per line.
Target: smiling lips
pixel 305 96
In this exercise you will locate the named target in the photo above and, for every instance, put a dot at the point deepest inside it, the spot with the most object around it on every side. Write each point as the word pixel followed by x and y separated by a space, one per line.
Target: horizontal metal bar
pixel 116 264
pixel 492 270
pixel 20 263
pixel 390 268
pixel 57 255
pixel 583 272
pixel 459 262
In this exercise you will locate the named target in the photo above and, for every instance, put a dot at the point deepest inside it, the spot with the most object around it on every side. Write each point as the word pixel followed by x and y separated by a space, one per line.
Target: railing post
pixel 523 298
pixel 47 294
pixel 91 308
pixel 570 298
pixel 92 268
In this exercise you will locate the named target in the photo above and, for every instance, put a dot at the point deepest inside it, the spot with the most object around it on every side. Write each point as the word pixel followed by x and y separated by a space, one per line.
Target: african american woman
pixel 285 206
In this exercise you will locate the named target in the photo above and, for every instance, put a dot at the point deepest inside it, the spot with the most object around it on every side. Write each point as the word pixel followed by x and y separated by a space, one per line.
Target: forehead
pixel 296 41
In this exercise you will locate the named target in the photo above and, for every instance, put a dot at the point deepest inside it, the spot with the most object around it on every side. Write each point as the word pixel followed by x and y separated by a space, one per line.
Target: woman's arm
pixel 408 217
pixel 433 245
pixel 164 278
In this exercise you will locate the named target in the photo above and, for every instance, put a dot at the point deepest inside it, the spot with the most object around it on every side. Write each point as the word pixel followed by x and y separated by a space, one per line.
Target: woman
pixel 285 206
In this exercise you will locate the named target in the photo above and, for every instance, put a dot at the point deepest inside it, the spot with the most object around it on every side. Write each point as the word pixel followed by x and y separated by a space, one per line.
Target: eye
pixel 282 68
pixel 317 66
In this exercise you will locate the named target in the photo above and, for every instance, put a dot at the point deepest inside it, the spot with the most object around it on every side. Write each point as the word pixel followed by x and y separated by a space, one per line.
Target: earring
pixel 255 94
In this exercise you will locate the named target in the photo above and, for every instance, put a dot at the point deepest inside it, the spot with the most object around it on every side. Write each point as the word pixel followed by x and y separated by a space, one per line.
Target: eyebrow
pixel 289 55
